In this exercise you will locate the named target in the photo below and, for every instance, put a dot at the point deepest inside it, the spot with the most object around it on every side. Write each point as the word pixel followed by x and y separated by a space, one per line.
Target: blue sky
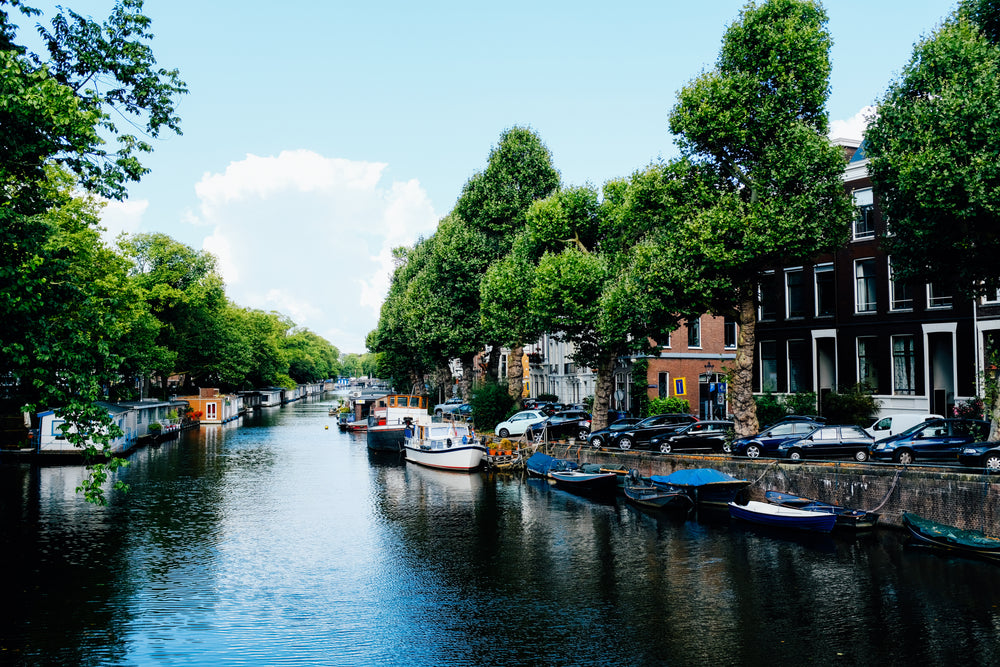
pixel 320 134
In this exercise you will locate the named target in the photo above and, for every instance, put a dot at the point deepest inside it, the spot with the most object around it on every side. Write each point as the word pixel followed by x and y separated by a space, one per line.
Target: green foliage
pixel 933 146
pixel 770 408
pixel 491 405
pixel 665 405
pixel 854 405
pixel 970 409
pixel 639 393
pixel 801 403
pixel 547 398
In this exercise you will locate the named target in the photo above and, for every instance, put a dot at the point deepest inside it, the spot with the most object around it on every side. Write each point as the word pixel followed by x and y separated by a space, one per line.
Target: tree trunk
pixel 515 373
pixel 994 413
pixel 468 373
pixel 741 377
pixel 493 363
pixel 603 387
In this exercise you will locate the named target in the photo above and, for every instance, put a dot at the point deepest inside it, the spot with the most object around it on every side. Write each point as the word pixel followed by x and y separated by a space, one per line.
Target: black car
pixel 603 436
pixel 699 436
pixel 932 440
pixel 981 455
pixel 638 436
pixel 563 424
pixel 829 442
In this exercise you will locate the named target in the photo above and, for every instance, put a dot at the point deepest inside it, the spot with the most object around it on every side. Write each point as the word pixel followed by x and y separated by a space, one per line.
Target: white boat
pixel 448 446
pixel 388 419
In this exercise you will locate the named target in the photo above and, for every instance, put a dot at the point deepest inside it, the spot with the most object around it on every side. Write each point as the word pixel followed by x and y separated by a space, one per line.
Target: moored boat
pixel 540 465
pixel 766 514
pixel 389 418
pixel 449 446
pixel 590 483
pixel 846 517
pixel 943 536
pixel 643 492
pixel 706 486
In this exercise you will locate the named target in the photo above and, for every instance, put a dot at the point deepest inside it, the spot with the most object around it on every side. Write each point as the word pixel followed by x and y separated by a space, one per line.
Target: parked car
pixel 932 440
pixel 565 423
pixel 699 436
pixel 829 442
pixel 518 423
pixel 603 436
pixel 981 455
pixel 891 425
pixel 767 441
pixel 639 435
pixel 448 405
pixel 464 411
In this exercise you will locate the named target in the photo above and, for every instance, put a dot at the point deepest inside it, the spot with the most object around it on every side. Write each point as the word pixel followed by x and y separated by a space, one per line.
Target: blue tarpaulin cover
pixel 694 477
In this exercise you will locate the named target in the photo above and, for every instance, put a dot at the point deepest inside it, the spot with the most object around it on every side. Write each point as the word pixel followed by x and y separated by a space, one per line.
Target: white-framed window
pixel 730 334
pixel 798 365
pixel 768 365
pixel 937 297
pixel 864 219
pixel 867 361
pixel 825 292
pixel 768 297
pixel 864 285
pixel 993 296
pixel 795 297
pixel 210 411
pixel 694 333
pixel 663 384
pixel 900 292
pixel 904 365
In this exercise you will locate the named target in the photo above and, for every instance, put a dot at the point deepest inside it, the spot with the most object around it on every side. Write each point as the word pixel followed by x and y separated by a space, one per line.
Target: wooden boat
pixel 389 417
pixel 706 486
pixel 540 465
pixel 590 483
pixel 968 542
pixel 643 492
pixel 766 514
pixel 449 446
pixel 846 518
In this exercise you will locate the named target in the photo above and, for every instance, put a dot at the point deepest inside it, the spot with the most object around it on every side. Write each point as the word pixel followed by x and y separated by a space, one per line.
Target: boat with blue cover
pixel 766 514
pixel 705 486
pixel 846 517
pixel 539 465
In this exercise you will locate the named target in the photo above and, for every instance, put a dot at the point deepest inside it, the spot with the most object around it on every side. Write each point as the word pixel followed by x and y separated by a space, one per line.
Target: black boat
pixel 846 517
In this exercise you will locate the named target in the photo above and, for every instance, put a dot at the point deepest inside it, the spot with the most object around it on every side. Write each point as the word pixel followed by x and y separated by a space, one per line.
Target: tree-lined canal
pixel 280 540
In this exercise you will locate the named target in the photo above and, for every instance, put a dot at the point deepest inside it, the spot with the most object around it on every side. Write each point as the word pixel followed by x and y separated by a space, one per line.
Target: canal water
pixel 279 540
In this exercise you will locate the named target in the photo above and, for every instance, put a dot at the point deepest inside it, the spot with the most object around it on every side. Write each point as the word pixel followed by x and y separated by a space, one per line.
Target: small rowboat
pixel 590 483
pixel 943 536
pixel 846 518
pixel 645 493
pixel 766 514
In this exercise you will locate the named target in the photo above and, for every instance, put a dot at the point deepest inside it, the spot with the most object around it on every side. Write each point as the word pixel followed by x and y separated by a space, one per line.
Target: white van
pixel 893 424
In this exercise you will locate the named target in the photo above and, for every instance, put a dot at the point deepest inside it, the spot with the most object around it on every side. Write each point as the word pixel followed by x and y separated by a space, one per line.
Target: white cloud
pixel 122 216
pixel 311 237
pixel 854 127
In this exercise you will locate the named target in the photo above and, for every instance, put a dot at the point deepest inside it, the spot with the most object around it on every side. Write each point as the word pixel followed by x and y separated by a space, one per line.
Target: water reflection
pixel 280 540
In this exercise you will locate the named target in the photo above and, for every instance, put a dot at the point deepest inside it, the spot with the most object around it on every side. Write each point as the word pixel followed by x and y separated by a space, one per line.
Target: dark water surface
pixel 279 541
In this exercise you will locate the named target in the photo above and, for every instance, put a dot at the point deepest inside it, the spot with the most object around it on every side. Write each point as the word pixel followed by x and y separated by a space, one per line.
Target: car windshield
pixel 914 429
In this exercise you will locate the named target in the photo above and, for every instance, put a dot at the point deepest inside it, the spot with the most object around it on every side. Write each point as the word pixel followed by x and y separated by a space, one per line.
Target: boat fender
pixel 465 440
pixel 408 432
pixel 449 442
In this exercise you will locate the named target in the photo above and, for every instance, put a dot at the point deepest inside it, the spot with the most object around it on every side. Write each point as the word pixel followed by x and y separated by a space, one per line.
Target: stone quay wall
pixel 961 497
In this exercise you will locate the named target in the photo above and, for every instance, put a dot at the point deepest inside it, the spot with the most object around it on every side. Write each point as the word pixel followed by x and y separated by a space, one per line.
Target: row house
pixel 844 319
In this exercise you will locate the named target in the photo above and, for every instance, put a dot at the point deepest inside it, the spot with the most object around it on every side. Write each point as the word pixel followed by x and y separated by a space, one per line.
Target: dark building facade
pixel 843 319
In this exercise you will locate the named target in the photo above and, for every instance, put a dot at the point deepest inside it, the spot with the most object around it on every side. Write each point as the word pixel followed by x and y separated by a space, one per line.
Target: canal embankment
pixel 953 496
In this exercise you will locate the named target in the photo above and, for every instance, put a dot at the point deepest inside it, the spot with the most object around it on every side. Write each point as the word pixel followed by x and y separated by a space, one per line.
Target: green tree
pixel 933 146
pixel 753 131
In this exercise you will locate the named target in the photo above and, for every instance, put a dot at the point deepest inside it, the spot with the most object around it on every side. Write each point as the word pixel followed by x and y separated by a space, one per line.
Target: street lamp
pixel 709 368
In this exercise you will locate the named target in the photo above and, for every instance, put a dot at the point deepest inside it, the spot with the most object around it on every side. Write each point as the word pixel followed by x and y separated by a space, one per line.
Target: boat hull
pixel 766 514
pixel 846 518
pixel 941 536
pixel 705 486
pixel 386 438
pixel 464 457
pixel 587 483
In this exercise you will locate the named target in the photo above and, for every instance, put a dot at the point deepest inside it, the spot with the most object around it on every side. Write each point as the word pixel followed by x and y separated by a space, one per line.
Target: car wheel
pixel 665 448
pixel 727 447
pixel 597 442
pixel 861 455
pixel 795 455
pixel 439 412
pixel 992 462
pixel 625 443
pixel 905 457
pixel 753 451
pixel 582 434
pixel 503 433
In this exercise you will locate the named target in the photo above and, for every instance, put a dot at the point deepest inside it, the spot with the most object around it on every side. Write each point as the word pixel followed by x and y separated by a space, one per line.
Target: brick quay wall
pixel 950 495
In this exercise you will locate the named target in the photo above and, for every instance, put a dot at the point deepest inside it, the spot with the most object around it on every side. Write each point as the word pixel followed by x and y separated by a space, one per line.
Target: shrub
pixel 971 409
pixel 801 403
pixel 546 398
pixel 854 405
pixel 659 406
pixel 638 392
pixel 491 405
pixel 769 409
